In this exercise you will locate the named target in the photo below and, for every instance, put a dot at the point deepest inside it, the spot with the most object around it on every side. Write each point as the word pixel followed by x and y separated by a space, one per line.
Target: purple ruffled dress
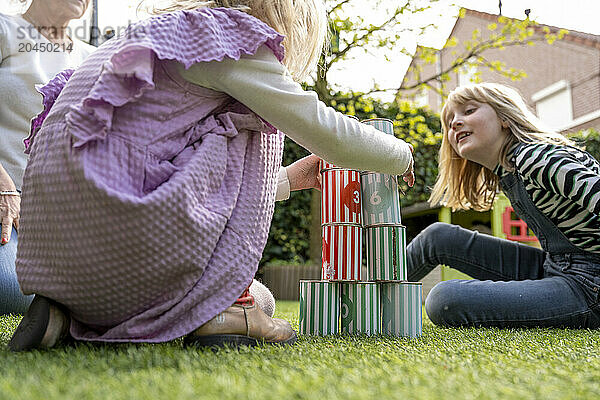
pixel 147 200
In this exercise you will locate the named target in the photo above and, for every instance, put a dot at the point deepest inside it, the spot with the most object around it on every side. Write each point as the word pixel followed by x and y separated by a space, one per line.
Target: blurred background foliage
pixel 289 237
pixel 589 139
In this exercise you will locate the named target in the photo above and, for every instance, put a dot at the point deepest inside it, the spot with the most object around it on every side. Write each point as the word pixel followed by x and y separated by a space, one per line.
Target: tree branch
pixel 464 59
pixel 338 6
pixel 339 54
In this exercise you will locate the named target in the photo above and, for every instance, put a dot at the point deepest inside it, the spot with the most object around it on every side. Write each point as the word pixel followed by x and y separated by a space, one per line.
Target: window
pixel 553 104
pixel 421 98
pixel 467 74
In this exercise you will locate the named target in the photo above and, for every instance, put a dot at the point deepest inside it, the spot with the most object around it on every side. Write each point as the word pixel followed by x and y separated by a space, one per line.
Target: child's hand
pixel 409 175
pixel 304 173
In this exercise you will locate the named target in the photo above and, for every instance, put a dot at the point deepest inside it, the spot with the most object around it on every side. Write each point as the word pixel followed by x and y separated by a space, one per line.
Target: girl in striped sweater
pixel 491 141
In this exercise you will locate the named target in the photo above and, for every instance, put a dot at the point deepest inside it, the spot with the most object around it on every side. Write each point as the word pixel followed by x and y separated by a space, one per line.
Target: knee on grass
pixel 443 307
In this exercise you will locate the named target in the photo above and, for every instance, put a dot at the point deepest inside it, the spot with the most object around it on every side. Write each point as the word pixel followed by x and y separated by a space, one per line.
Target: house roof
pixel 581 38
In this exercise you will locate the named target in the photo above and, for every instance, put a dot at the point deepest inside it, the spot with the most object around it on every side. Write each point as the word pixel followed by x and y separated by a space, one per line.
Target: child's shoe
pixel 244 323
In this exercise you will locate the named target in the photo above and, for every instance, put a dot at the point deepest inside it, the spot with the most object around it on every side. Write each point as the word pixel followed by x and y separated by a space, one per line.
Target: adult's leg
pixel 477 255
pixel 12 300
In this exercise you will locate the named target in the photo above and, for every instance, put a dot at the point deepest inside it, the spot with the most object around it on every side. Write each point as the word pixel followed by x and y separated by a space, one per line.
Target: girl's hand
pixel 409 175
pixel 304 173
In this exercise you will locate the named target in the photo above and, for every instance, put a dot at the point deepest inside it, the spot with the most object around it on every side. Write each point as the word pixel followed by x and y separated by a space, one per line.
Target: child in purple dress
pixel 152 180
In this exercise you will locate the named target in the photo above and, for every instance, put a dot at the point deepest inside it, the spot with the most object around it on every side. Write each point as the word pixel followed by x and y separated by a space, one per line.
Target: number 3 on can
pixel 351 196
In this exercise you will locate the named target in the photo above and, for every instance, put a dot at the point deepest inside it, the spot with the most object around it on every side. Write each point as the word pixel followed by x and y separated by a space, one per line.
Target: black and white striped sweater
pixel 564 184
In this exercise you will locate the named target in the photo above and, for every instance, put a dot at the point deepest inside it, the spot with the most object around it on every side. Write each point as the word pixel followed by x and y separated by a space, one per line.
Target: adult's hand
pixel 10 206
pixel 304 173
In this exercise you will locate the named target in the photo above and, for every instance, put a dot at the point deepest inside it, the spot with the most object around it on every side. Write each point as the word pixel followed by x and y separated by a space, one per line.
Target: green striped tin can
pixel 319 308
pixel 386 252
pixel 401 306
pixel 380 199
pixel 382 124
pixel 361 311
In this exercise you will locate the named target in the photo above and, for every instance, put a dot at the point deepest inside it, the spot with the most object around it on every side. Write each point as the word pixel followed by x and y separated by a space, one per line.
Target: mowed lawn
pixel 443 364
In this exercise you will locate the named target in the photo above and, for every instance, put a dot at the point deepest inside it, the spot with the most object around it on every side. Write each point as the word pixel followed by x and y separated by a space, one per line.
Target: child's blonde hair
pixel 464 184
pixel 303 22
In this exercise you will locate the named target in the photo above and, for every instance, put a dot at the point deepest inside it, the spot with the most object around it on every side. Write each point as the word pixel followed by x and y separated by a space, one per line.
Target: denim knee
pixel 436 235
pixel 438 238
pixel 441 304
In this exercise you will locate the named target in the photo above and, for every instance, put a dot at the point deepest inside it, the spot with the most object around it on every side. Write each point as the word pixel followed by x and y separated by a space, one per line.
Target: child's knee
pixel 441 304
pixel 438 230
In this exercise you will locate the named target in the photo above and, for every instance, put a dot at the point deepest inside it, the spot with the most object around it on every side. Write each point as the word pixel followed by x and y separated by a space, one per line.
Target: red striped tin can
pixel 340 196
pixel 342 252
pixel 324 165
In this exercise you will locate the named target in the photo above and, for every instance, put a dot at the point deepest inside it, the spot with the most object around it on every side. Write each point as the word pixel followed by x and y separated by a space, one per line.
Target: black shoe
pixel 43 326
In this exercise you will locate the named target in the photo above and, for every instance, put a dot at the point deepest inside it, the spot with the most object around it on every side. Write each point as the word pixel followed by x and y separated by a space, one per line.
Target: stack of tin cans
pixel 354 204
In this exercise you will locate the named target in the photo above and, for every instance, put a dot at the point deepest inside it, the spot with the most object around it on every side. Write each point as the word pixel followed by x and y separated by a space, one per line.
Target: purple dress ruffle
pixel 49 93
pixel 147 200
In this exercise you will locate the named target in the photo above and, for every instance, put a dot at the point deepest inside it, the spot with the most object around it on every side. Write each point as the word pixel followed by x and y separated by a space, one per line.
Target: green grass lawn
pixel 444 363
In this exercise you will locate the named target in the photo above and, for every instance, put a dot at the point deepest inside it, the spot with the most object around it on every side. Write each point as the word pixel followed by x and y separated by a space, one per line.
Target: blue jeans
pixel 515 285
pixel 12 300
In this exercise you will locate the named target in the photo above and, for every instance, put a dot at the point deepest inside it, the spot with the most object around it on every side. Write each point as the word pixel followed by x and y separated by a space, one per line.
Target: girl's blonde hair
pixel 464 184
pixel 303 22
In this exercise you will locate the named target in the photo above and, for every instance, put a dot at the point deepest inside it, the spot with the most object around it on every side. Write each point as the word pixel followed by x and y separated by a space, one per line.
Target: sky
pixel 366 68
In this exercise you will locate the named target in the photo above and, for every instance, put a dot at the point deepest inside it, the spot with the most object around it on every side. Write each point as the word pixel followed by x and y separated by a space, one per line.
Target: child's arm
pixel 262 84
pixel 563 170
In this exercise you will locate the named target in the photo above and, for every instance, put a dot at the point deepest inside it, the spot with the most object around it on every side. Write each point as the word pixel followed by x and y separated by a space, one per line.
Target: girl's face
pixel 476 133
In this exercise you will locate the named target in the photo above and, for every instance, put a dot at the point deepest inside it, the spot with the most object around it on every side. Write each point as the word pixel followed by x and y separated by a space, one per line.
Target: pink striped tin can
pixel 342 252
pixel 325 165
pixel 340 197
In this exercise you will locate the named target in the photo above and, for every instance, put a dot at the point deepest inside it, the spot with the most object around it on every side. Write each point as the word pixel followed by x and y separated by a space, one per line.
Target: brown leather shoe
pixel 244 323
pixel 43 326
